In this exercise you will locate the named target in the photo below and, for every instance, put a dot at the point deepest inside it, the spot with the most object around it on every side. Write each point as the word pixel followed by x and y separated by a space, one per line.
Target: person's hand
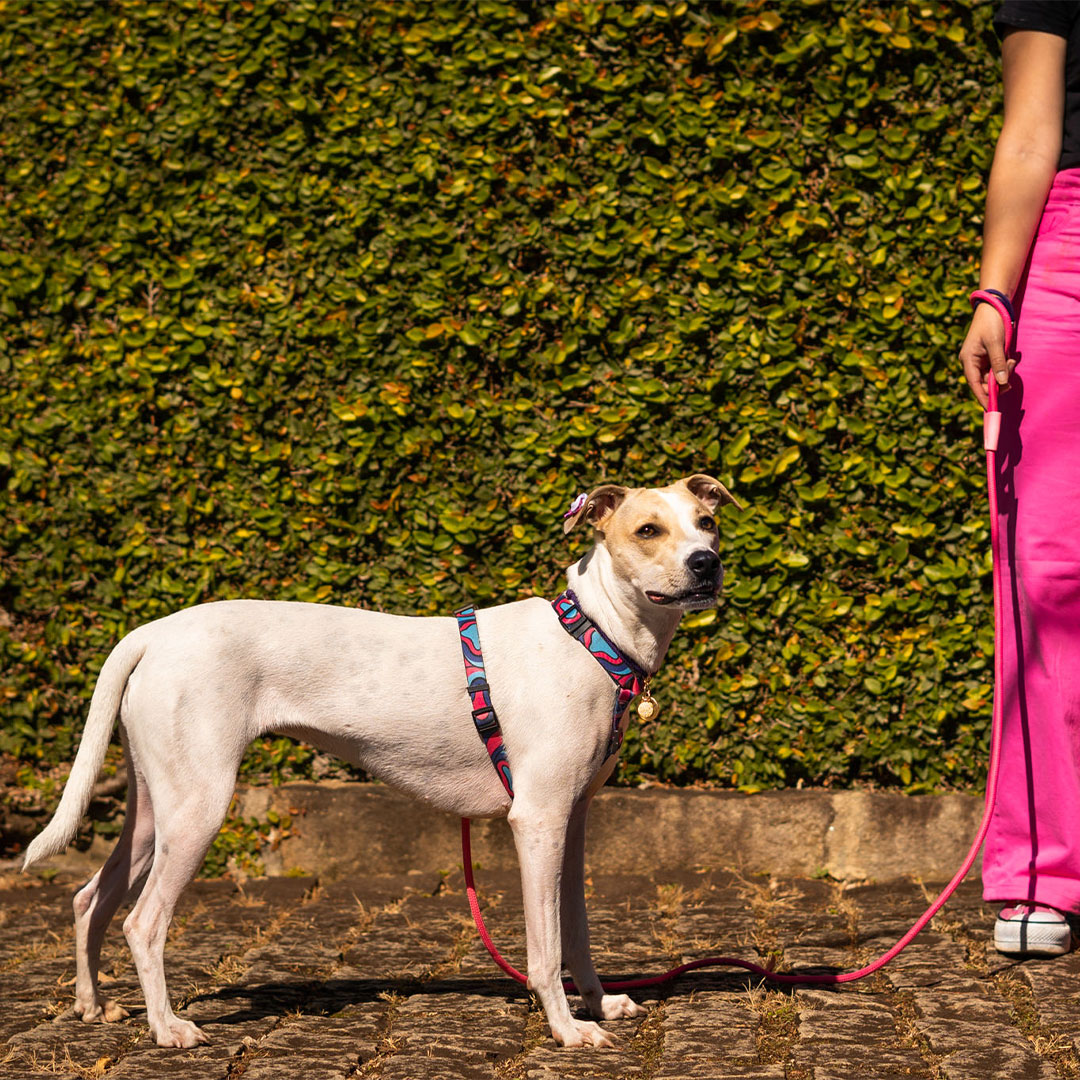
pixel 983 352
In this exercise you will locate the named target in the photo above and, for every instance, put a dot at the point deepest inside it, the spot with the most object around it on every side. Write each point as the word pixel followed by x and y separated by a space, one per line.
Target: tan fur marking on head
pixel 657 555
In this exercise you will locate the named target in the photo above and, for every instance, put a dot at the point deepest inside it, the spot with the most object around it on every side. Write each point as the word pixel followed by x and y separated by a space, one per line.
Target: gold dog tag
pixel 647 707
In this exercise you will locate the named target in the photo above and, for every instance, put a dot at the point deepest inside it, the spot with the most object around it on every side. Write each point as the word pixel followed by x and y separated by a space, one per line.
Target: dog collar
pixel 629 679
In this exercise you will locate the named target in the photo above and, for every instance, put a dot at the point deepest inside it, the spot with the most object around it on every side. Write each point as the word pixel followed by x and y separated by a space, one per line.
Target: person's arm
pixel 1025 161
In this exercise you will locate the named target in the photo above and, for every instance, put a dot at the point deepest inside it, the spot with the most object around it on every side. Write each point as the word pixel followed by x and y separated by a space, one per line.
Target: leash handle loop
pixel 1003 306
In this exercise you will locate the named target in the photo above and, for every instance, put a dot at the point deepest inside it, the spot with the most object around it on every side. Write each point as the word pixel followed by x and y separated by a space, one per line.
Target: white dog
pixel 388 693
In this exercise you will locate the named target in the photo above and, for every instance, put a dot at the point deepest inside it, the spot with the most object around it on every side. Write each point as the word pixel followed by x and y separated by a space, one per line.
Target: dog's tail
pixel 79 789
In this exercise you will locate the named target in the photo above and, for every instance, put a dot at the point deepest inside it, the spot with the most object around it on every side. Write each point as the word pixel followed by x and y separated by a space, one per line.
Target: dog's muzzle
pixel 707 574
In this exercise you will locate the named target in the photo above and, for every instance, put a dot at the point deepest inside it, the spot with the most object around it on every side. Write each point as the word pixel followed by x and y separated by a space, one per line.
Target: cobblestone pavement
pixel 385 977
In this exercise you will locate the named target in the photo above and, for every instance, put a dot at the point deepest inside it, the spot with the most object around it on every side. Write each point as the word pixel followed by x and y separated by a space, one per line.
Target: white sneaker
pixel 1032 930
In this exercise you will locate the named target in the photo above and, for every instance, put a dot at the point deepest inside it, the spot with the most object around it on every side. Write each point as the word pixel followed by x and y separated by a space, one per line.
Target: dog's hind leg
pixel 121 877
pixel 187 821
pixel 540 838
pixel 575 928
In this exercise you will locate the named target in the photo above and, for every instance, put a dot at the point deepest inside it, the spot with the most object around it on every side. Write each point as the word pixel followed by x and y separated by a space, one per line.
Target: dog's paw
pixel 111 1011
pixel 618 1006
pixel 582 1033
pixel 104 1009
pixel 180 1033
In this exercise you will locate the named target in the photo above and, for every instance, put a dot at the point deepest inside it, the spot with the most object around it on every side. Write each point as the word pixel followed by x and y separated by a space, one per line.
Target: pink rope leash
pixel 991 427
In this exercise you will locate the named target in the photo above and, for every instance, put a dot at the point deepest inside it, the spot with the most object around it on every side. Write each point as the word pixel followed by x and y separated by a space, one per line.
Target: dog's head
pixel 661 541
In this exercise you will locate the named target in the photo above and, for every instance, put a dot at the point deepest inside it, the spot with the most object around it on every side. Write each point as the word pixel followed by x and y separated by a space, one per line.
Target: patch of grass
pixel 778 1025
pixel 534 1034
pixel 1050 1044
pixel 906 1016
pixel 648 1041
pixel 386 1044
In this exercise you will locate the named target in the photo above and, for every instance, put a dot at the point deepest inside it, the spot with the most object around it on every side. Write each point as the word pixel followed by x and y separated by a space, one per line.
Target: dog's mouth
pixel 702 596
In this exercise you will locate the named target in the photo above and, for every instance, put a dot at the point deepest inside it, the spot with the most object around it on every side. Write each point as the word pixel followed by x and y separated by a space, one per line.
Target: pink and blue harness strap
pixel 483 712
pixel 626 675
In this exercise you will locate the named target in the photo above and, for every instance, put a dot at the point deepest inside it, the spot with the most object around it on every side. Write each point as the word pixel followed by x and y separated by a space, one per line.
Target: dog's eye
pixel 647 532
pixel 707 524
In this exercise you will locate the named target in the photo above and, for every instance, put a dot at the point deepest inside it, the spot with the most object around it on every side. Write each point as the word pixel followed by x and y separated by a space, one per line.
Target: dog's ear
pixel 711 492
pixel 595 506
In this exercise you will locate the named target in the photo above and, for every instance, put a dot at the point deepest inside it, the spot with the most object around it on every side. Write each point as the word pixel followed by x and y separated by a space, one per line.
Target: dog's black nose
pixel 703 564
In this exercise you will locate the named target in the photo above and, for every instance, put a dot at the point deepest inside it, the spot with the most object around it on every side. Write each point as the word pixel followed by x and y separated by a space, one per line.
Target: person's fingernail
pixel 1002 377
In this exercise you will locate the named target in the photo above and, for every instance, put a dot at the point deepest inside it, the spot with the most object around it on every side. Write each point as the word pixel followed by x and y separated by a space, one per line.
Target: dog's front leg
pixel 540 838
pixel 575 928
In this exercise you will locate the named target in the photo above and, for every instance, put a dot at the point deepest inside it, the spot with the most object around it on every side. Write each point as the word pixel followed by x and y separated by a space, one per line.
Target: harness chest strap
pixel 629 679
pixel 476 685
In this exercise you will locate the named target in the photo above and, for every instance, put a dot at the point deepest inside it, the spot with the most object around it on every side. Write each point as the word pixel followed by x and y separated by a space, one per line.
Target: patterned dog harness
pixel 629 679
pixel 476 685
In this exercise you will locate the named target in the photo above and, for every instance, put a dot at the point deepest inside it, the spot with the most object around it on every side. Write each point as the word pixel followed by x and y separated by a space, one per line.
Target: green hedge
pixel 345 302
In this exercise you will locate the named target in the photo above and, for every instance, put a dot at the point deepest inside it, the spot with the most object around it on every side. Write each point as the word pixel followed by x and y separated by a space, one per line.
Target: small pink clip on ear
pixel 576 505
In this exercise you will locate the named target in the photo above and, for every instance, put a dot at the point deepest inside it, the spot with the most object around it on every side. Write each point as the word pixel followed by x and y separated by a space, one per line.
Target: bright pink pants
pixel 1033 848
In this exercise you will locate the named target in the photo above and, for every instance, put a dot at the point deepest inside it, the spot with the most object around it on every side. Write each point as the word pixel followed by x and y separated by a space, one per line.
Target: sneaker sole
pixel 1022 937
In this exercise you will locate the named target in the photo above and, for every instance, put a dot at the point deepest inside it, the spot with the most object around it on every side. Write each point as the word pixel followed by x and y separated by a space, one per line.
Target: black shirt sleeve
pixel 1050 16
